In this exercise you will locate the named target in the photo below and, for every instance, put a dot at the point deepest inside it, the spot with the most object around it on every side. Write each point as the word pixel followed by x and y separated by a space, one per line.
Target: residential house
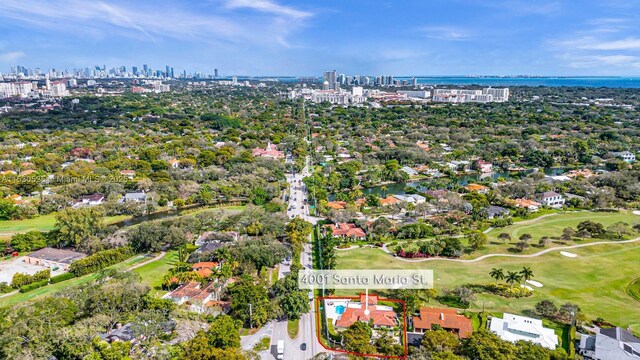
pixel 53 258
pixel 389 200
pixel 514 328
pixel 496 211
pixel 346 230
pixel 138 197
pixel 610 344
pixel 89 200
pixel 448 319
pixel 409 171
pixel 411 198
pixel 271 151
pixel 174 163
pixel 627 156
pixel 15 199
pixel 478 188
pixel 27 172
pixel 551 199
pixel 367 310
pixel 128 173
pixel 337 205
pixel 197 296
pixel 205 268
pixel 484 166
pixel 120 333
pixel 527 204
pixel 209 246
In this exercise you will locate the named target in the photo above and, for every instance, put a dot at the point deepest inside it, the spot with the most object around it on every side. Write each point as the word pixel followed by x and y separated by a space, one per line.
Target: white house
pixel 411 198
pixel 409 171
pixel 551 199
pixel 627 156
pixel 514 328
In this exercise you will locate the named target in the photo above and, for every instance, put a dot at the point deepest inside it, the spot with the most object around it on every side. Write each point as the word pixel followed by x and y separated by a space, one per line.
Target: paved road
pixel 307 331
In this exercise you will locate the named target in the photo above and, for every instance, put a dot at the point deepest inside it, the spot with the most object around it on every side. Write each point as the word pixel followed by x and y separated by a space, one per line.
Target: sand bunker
pixel 568 254
pixel 535 283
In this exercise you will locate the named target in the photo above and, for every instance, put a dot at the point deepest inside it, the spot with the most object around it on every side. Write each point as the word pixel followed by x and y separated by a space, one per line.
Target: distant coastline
pixel 628 82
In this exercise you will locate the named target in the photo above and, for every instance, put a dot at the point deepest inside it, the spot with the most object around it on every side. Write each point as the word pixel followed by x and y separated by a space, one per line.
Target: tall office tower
pixel 331 78
pixel 184 74
pixel 134 70
pixel 172 72
pixel 167 71
pixel 341 79
pixel 215 72
pixel 234 80
pixel 145 70
pixel 414 81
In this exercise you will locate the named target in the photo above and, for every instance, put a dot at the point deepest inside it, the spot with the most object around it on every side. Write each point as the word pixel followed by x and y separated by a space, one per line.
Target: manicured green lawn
pixel 53 288
pixel 263 344
pixel 41 223
pixel 293 326
pixel 551 226
pixel 596 280
pixel 153 272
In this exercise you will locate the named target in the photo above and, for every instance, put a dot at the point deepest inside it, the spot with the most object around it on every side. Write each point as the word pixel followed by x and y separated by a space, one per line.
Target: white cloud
pixel 268 7
pixel 148 21
pixel 452 33
pixel 11 56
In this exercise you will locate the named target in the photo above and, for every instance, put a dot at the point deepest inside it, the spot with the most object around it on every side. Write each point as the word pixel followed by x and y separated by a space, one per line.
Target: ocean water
pixel 611 82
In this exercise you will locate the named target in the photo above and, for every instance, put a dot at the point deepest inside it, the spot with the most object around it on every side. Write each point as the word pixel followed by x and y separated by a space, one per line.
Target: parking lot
pixel 16 265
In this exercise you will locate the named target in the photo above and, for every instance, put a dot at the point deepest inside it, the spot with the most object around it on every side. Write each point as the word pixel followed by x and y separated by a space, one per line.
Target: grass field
pixel 153 272
pixel 551 226
pixel 596 280
pixel 41 223
pixel 293 326
pixel 53 288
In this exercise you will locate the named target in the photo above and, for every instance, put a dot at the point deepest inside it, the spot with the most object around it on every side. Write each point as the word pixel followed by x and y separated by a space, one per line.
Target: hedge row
pixel 62 277
pixel 99 260
pixel 20 279
pixel 34 285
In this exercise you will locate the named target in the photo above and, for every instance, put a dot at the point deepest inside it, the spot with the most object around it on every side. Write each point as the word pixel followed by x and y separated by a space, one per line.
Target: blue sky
pixel 305 37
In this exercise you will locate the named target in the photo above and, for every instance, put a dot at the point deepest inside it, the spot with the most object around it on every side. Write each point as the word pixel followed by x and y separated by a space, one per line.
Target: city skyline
pixel 289 38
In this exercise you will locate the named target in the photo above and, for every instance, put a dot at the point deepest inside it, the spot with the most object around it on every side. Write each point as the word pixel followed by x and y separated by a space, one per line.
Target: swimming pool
pixel 340 309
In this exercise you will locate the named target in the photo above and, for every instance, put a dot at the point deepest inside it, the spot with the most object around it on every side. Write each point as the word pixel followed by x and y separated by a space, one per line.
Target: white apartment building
pixel 465 95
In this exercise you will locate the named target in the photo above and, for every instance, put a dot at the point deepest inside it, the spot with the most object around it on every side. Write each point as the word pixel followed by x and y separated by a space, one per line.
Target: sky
pixel 305 37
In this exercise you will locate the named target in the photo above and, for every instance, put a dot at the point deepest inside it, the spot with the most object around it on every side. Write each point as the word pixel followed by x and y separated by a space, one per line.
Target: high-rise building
pixel 331 78
pixel 134 70
pixel 167 71
pixel 215 72
pixel 145 70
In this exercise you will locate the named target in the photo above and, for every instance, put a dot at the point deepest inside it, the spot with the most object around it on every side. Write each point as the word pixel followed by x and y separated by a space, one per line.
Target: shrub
pixel 62 277
pixel 20 279
pixel 99 260
pixel 35 285
pixel 5 288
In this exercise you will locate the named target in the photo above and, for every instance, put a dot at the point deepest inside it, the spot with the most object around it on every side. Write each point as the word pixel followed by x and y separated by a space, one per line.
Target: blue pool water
pixel 340 309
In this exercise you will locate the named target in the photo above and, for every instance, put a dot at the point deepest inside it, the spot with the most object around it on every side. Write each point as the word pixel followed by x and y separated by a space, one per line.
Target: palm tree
pixel 526 273
pixel 497 274
pixel 513 277
pixel 384 191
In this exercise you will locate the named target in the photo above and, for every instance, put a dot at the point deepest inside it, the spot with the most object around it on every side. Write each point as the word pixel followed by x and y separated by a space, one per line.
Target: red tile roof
pixel 379 317
pixel 348 230
pixel 448 319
